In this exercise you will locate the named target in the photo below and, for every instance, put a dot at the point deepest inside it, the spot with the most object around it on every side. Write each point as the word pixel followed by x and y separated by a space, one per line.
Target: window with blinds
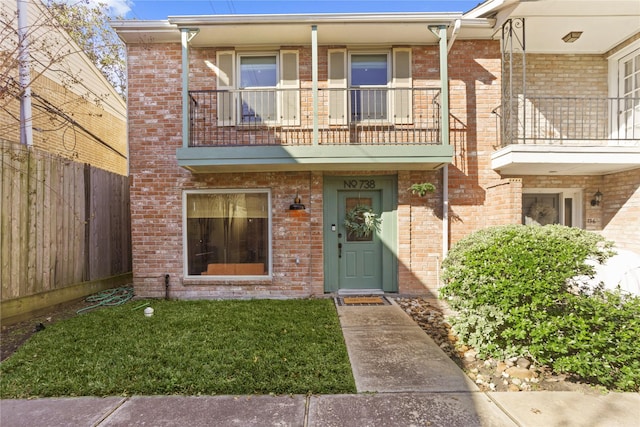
pixel 227 232
pixel 258 88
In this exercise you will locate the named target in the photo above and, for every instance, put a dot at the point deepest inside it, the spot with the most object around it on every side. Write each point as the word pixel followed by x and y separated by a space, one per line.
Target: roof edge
pixel 320 18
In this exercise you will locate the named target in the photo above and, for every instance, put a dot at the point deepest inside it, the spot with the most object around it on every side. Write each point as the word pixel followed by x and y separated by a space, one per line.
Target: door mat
pixel 363 300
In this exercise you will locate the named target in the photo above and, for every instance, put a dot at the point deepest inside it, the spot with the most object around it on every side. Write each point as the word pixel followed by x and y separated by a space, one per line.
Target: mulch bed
pixel 489 374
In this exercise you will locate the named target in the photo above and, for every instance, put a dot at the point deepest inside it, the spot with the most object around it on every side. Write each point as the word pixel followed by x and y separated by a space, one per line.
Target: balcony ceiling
pixel 279 30
pixel 516 160
pixel 604 23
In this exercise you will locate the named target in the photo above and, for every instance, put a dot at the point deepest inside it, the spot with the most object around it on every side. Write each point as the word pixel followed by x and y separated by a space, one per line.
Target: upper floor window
pixel 369 79
pixel 258 71
pixel 256 74
pixel 370 86
pixel 266 92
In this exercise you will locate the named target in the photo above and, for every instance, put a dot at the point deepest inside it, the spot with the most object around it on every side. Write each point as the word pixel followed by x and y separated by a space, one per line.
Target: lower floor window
pixel 227 233
pixel 556 206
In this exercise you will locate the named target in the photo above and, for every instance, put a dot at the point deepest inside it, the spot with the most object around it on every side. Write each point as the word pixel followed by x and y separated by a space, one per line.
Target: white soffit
pixel 567 160
pixel 604 24
pixel 599 34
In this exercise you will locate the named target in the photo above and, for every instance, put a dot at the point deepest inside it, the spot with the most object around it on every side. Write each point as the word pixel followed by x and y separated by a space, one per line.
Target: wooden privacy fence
pixel 62 222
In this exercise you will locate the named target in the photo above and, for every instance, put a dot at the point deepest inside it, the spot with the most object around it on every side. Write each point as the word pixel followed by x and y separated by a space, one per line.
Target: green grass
pixel 187 347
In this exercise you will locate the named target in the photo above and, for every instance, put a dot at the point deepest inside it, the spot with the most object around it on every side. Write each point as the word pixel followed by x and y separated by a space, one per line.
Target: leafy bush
pixel 517 291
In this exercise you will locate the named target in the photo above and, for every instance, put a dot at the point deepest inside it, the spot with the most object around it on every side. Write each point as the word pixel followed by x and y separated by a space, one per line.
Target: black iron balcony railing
pixel 374 116
pixel 579 121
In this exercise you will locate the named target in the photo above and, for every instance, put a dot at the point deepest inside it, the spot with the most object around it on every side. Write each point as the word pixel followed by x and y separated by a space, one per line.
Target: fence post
pixel 86 274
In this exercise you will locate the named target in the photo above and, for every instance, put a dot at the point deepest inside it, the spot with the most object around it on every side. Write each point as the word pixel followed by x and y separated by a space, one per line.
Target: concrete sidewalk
pixel 533 409
pixel 402 378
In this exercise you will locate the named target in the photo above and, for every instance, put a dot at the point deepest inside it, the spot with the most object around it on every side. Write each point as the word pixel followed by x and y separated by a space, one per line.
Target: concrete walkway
pixel 402 378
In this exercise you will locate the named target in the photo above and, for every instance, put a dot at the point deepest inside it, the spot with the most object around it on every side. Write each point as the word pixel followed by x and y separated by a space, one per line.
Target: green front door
pixel 359 256
pixel 352 261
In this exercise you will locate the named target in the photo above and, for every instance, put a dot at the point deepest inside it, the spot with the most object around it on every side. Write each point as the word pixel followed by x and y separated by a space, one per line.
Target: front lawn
pixel 186 347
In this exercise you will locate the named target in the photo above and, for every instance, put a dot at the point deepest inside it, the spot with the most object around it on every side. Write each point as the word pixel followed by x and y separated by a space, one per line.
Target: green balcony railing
pixel 367 116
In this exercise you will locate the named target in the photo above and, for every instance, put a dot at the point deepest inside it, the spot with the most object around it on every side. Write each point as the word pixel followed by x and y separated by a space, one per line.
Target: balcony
pixel 577 121
pixel 341 129
pixel 571 136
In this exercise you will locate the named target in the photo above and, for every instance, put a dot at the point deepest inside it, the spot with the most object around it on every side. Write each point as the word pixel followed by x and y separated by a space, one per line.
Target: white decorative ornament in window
pixel 542 214
pixel 362 221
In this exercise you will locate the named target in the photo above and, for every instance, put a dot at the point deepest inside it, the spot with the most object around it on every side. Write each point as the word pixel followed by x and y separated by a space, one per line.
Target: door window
pixel 369 78
pixel 351 204
pixel 552 206
pixel 257 88
pixel 540 209
pixel 370 86
pixel 630 94
pixel 258 79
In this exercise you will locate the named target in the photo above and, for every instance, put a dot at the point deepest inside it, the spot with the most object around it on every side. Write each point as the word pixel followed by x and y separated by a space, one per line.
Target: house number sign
pixel 360 184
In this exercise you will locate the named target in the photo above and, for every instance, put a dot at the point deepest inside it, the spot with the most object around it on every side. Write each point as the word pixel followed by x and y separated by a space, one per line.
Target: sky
pixel 161 9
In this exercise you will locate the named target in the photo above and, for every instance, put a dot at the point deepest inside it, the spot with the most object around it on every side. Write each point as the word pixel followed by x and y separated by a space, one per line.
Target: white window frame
pixel 350 87
pixel 185 259
pixel 229 79
pixel 239 57
pixel 564 193
pixel 615 83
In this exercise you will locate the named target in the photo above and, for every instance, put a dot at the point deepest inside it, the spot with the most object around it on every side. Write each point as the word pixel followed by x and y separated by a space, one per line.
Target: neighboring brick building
pixel 76 112
pixel 250 148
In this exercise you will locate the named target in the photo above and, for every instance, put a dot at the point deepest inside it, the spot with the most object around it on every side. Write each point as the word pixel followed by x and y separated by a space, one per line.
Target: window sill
pixel 226 280
pixel 261 125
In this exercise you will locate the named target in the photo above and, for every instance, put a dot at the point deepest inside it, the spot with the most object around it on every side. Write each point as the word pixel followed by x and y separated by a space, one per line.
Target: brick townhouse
pixel 273 155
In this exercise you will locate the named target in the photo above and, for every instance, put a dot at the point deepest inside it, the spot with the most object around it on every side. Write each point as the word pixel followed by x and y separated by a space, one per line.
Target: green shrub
pixel 517 291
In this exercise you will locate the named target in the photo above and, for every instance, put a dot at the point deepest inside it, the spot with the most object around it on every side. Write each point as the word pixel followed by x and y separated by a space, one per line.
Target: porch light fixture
pixel 597 198
pixel 297 205
pixel 572 36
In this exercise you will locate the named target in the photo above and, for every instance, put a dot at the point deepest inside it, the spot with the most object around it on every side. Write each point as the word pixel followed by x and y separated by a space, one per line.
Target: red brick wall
pixel 154 105
pixel 57 135
pixel 566 76
pixel 621 209
pixel 158 183
pixel 504 202
pixel 155 127
pixel 563 75
pixel 419 233
pixel 618 216
pixel 588 184
pixel 474 72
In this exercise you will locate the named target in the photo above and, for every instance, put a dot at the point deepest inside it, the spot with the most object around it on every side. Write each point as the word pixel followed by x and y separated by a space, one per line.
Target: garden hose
pixel 110 297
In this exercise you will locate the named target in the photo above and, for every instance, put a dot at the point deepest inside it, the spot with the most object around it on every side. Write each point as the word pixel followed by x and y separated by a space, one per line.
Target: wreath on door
pixel 542 213
pixel 362 221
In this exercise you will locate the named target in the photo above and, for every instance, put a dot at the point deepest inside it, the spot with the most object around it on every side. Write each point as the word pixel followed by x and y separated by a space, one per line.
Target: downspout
pixel 454 34
pixel 314 80
pixel 186 35
pixel 441 32
pixel 24 75
pixel 445 169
